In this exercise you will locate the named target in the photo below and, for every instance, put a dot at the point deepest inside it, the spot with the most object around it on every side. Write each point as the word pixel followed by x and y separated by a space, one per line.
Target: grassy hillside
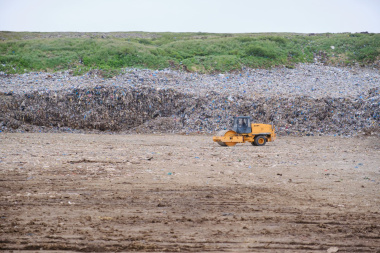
pixel 196 52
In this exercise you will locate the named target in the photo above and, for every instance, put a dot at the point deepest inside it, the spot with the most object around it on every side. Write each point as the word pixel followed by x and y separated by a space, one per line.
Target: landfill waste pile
pixel 309 100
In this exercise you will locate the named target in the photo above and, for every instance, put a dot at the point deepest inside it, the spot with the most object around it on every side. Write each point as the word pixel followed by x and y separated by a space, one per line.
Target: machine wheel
pixel 253 143
pixel 226 133
pixel 260 140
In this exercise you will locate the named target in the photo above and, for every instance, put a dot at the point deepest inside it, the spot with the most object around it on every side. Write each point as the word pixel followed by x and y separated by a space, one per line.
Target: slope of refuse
pixel 308 100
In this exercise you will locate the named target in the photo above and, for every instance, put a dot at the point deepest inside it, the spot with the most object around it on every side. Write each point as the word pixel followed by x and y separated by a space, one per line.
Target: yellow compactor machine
pixel 245 131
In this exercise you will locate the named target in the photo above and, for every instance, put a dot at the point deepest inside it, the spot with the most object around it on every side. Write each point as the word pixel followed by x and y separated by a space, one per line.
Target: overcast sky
pixel 216 16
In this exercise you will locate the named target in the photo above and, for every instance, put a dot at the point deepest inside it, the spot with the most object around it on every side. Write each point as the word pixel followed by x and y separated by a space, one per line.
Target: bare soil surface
pixel 84 192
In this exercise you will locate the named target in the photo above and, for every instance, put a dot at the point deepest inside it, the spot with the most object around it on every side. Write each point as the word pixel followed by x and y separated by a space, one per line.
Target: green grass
pixel 197 52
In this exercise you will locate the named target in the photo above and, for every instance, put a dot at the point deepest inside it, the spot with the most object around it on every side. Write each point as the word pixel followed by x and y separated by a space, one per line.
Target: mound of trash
pixel 309 100
pixel 150 110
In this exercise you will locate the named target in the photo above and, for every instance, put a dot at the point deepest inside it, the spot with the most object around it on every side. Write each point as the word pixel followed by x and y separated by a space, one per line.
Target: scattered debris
pixel 332 250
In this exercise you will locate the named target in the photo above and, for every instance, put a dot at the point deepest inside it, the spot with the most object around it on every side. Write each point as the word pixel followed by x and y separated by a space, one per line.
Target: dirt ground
pixel 84 192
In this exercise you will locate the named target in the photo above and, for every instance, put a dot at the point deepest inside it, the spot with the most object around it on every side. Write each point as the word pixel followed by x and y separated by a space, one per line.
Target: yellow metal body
pixel 230 137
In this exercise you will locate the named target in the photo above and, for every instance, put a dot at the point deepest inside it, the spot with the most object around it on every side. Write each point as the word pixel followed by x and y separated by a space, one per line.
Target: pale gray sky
pixel 217 16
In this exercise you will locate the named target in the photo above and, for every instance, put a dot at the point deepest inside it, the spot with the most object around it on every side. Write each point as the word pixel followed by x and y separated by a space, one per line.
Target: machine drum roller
pixel 226 133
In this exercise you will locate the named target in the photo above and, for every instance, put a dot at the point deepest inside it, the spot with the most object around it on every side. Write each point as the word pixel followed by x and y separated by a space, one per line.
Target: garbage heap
pixel 158 110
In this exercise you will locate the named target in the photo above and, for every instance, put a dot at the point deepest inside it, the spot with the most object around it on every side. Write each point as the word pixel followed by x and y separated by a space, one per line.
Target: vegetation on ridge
pixel 195 52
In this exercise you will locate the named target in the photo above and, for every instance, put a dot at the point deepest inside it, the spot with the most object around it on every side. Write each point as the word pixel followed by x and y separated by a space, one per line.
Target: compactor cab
pixel 242 125
pixel 243 130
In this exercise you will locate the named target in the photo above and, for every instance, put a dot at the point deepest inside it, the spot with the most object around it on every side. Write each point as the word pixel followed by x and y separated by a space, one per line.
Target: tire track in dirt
pixel 217 213
pixel 207 205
